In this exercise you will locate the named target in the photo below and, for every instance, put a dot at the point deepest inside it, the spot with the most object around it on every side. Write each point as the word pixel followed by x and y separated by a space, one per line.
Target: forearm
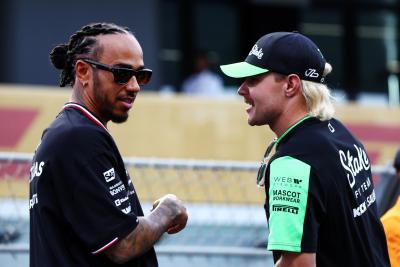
pixel 291 259
pixel 140 240
pixel 146 233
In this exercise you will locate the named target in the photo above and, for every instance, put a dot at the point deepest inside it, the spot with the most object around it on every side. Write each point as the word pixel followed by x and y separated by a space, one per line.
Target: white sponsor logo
pixel 109 175
pixel 36 169
pixel 311 73
pixel 353 165
pixel 257 52
pixel 115 185
pixel 118 202
pixel 364 206
pixel 127 210
pixel 331 128
pixel 363 187
pixel 33 201
pixel 117 190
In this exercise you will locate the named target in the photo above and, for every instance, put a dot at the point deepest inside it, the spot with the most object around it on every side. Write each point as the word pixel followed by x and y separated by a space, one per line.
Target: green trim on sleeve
pixel 288 194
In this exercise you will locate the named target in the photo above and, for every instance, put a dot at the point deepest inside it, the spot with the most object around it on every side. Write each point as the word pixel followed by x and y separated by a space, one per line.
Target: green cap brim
pixel 241 70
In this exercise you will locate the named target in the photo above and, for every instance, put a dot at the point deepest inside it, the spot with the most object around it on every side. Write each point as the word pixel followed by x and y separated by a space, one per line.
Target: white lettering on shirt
pixel 117 190
pixel 115 185
pixel 118 202
pixel 109 175
pixel 36 170
pixel 33 201
pixel 127 210
pixel 353 165
pixel 364 206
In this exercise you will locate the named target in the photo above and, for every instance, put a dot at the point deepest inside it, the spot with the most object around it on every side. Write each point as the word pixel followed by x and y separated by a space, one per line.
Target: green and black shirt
pixel 320 197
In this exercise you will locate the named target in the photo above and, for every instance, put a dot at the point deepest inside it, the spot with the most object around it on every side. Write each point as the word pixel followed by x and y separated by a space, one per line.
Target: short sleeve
pixel 293 223
pixel 95 200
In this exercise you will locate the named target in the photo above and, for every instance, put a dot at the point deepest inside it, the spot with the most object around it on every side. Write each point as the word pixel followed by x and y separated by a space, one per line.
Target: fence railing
pixel 224 205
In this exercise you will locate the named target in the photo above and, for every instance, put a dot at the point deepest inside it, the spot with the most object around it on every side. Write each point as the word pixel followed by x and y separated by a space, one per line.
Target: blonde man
pixel 320 200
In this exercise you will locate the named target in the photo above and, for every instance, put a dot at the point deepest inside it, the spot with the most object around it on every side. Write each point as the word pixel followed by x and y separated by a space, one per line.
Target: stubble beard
pixel 105 107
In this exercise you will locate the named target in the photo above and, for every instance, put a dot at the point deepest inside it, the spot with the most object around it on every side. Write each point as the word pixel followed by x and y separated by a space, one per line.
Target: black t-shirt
pixel 82 200
pixel 321 199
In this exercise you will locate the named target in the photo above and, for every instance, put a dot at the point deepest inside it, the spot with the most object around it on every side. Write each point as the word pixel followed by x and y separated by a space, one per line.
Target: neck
pixel 295 110
pixel 87 102
pixel 285 123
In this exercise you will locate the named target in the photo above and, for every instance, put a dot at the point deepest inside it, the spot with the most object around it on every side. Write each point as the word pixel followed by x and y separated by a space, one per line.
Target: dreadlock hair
pixel 83 42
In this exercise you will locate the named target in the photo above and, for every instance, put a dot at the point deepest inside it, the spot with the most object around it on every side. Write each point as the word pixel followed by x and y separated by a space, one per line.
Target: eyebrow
pixel 127 66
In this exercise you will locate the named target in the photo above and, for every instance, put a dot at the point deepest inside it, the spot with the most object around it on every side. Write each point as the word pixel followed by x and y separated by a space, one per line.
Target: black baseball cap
pixel 281 52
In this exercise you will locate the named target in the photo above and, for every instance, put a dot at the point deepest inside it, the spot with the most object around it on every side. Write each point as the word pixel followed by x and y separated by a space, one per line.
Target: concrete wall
pixel 175 126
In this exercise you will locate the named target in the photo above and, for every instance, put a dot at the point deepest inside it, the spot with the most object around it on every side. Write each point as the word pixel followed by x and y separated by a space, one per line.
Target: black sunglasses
pixel 264 164
pixel 122 75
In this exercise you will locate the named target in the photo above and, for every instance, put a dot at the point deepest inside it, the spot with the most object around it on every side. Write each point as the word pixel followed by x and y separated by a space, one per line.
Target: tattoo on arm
pixel 143 237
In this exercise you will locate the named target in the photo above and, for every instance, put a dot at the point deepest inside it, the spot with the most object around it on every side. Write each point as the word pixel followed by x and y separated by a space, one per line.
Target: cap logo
pixel 257 52
pixel 311 73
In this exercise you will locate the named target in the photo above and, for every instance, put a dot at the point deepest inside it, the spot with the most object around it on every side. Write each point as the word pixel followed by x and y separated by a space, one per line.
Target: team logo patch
pixel 311 73
pixel 256 51
pixel 109 175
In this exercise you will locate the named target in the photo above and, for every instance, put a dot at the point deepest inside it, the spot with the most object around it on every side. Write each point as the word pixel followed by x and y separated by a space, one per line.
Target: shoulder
pixel 316 143
pixel 310 137
pixel 70 133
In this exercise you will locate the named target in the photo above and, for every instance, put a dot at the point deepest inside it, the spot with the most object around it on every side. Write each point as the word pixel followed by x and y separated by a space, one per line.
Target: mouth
pixel 250 104
pixel 127 101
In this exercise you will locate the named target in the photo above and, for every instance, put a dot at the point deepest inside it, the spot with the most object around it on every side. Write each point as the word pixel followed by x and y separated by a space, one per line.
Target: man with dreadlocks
pixel 84 210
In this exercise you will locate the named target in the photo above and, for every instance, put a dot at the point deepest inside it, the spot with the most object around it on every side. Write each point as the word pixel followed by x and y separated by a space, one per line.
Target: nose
pixel 133 85
pixel 242 89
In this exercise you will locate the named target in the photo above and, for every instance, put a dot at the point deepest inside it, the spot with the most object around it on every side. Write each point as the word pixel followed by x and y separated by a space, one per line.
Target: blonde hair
pixel 318 97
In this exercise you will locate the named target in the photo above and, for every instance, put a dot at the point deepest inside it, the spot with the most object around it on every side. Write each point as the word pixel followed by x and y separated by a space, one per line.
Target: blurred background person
pixel 388 188
pixel 391 221
pixel 203 81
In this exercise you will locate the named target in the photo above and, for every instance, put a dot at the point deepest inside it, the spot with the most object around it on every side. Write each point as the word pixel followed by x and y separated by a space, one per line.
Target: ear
pixel 83 72
pixel 293 85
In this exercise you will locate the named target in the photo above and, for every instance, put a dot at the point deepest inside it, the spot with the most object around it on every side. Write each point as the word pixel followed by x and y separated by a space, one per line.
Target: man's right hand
pixel 171 205
pixel 168 214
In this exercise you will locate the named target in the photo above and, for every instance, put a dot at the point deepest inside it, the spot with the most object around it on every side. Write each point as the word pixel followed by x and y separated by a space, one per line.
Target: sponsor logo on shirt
pixel 36 170
pixel 127 209
pixel 354 164
pixel 361 185
pixel 33 201
pixel 118 202
pixel 115 185
pixel 287 181
pixel 109 175
pixel 286 195
pixel 358 211
pixel 285 208
pixel 117 189
pixel 330 127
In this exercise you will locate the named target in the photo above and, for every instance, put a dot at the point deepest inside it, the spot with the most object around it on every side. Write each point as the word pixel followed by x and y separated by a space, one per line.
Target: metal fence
pixel 227 224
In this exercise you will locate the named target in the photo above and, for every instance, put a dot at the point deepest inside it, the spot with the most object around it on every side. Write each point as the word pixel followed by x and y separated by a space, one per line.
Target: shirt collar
pixel 292 127
pixel 85 112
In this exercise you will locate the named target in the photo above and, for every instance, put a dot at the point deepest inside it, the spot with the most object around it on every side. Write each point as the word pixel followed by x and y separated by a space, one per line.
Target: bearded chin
pixel 119 119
